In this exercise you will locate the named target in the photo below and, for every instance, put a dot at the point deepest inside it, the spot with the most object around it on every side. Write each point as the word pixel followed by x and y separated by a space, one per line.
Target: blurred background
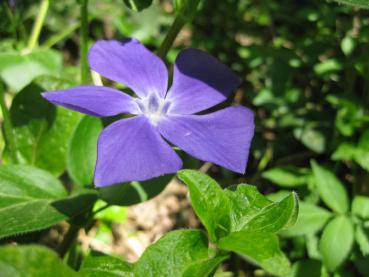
pixel 305 71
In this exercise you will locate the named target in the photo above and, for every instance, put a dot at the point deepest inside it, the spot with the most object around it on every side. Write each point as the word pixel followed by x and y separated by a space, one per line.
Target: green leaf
pixel 132 193
pixel 138 5
pixel 96 265
pixel 362 152
pixel 237 208
pixel 336 242
pixel 204 268
pixel 362 238
pixel 275 217
pixel 305 268
pixel 209 202
pixel 42 130
pixel 82 150
pixel 311 137
pixel 32 260
pixel 173 254
pixel 32 199
pixel 310 220
pixel 355 3
pixel 18 70
pixel 288 176
pixel 330 189
pixel 345 151
pixel 348 45
pixel 360 206
pixel 260 248
pixel 328 67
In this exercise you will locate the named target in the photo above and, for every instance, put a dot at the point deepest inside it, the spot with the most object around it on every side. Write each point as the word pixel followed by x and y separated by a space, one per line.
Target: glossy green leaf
pixel 355 3
pixel 288 176
pixel 42 131
pixel 82 150
pixel 138 5
pixel 260 248
pixel 209 202
pixel 360 206
pixel 96 265
pixel 132 193
pixel 173 254
pixel 32 199
pixel 32 260
pixel 18 70
pixel 336 242
pixel 330 189
pixel 310 220
pixel 275 217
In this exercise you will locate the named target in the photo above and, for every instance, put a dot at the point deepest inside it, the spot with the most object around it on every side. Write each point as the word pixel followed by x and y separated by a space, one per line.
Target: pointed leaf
pixel 330 189
pixel 360 206
pixel 260 248
pixel 336 242
pixel 288 176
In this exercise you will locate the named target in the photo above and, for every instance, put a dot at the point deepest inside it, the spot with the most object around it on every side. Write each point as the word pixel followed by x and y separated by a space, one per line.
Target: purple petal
pixel 93 100
pixel 222 137
pixel 131 64
pixel 133 150
pixel 200 81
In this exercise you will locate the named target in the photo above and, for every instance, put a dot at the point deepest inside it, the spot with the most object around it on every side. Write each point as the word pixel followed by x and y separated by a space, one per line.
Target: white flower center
pixel 154 107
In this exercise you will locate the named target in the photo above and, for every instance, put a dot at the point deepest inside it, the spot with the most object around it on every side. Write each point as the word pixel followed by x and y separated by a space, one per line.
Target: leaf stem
pixel 8 126
pixel 68 239
pixel 37 26
pixel 174 30
pixel 84 42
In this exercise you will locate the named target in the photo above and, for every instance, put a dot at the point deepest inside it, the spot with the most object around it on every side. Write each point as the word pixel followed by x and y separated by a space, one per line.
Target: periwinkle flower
pixel 134 149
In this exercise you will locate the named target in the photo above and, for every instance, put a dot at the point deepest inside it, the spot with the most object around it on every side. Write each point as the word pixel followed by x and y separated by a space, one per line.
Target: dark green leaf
pixel 330 189
pixel 209 202
pixel 82 150
pixel 306 268
pixel 360 206
pixel 288 176
pixel 32 199
pixel 128 194
pixel 97 265
pixel 355 3
pixel 336 242
pixel 33 261
pixel 260 248
pixel 362 152
pixel 18 70
pixel 310 220
pixel 173 254
pixel 42 130
pixel 138 5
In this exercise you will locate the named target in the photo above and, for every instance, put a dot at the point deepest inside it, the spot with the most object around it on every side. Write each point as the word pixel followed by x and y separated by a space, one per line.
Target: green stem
pixel 36 30
pixel 174 30
pixel 68 240
pixel 8 128
pixel 60 36
pixel 84 42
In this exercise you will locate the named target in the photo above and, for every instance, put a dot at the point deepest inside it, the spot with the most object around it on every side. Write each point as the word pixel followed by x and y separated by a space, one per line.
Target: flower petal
pixel 93 100
pixel 222 137
pixel 200 81
pixel 131 64
pixel 133 150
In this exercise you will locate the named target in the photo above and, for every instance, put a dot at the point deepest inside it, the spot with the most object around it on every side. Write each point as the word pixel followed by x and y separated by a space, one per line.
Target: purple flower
pixel 134 148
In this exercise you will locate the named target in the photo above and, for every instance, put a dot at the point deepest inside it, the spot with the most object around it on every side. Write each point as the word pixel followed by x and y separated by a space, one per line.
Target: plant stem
pixel 174 30
pixel 68 239
pixel 84 42
pixel 37 26
pixel 8 126
pixel 62 35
